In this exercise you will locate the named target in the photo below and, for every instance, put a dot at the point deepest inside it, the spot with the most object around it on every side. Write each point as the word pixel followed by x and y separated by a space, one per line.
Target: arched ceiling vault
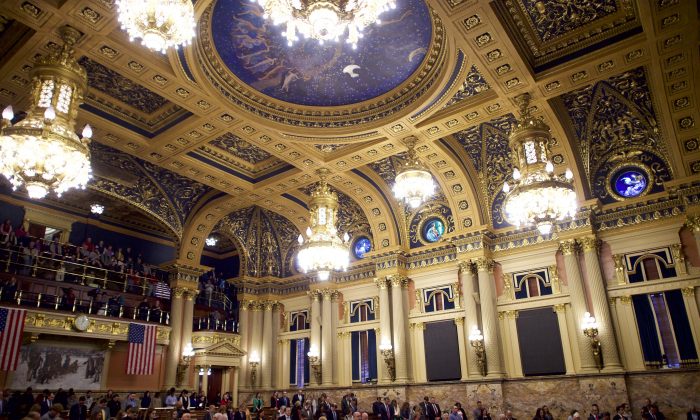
pixel 198 119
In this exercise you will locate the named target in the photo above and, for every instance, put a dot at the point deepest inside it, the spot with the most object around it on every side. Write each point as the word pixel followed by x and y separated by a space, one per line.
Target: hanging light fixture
pixel 211 241
pixel 323 251
pixel 537 197
pixel 42 151
pixel 97 208
pixel 414 183
pixel 325 20
pixel 160 24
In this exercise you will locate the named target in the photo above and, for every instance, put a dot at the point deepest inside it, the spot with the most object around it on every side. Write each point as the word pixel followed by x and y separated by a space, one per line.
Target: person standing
pixel 79 410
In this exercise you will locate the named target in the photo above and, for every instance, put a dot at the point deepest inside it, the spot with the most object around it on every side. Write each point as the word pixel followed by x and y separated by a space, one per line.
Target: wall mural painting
pixel 44 366
pixel 321 75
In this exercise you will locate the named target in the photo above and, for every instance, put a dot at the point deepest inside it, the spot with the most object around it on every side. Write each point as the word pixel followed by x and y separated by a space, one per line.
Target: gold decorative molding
pixel 554 277
pixel 619 260
pixel 693 223
pixel 679 259
pixel 688 291
pixel 625 300
pixel 382 282
pixel 207 338
pixel 568 247
pixel 459 321
pixel 398 280
pixel 589 243
pixel 559 307
pixel 484 264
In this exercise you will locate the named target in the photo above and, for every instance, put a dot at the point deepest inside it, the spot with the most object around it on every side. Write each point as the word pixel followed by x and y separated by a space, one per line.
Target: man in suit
pixel 298 396
pixel 386 411
pixel 79 410
pixel 284 400
pixel 455 414
pixel 46 403
pixel 287 415
pixel 509 415
pixel 595 412
pixel 436 408
pixel 333 412
pixel 184 399
pixel 377 407
pixel 693 414
pixel 240 414
pixel 478 410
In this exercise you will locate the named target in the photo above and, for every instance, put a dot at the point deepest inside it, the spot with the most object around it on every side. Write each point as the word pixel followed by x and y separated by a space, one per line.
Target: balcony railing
pixel 87 306
pixel 210 324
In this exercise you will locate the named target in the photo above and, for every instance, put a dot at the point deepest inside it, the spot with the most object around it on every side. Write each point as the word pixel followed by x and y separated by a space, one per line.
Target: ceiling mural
pixel 164 194
pixel 487 147
pixel 240 148
pixel 269 241
pixel 137 108
pixel 473 84
pixel 550 30
pixel 616 127
pixel 321 75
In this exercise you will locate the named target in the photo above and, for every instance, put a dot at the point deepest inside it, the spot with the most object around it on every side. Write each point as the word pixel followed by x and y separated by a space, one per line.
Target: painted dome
pixel 309 74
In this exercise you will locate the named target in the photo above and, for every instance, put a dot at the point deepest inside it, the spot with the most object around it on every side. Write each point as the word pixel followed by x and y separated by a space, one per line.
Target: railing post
pixel 90 307
pixel 38 301
pixel 36 263
pixel 9 258
pixel 18 295
pixel 121 310
pixel 58 302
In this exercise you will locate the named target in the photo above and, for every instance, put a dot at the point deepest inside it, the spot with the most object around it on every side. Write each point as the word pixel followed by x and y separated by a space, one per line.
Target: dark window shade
pixel 441 351
pixel 541 351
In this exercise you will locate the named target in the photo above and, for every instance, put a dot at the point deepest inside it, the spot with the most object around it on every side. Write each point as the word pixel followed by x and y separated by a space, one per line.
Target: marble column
pixel 384 335
pixel 601 307
pixel 335 348
pixel 188 316
pixel 471 318
pixel 560 310
pixel 693 224
pixel 344 359
pixel 462 341
pixel 419 371
pixel 172 357
pixel 205 380
pixel 225 379
pixel 275 350
pixel 398 284
pixel 256 340
pixel 266 349
pixel 327 340
pixel 631 348
pixel 489 317
pixel 234 385
pixel 512 344
pixel 284 366
pixel 315 342
pixel 244 332
pixel 578 304
pixel 691 308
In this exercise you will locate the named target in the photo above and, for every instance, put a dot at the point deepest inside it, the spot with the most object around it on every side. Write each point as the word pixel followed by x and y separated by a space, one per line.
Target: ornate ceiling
pixel 235 126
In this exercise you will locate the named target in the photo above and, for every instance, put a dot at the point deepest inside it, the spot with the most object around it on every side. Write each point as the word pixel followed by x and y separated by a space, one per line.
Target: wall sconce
pixel 187 355
pixel 477 341
pixel 254 361
pixel 590 330
pixel 387 352
pixel 201 371
pixel 315 362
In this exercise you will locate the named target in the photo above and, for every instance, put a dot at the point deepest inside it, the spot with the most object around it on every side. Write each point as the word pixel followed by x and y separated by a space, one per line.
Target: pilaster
pixel 398 286
pixel 489 316
pixel 471 319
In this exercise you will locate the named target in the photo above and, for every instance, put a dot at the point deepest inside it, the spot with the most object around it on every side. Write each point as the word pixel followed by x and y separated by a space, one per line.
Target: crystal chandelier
pixel 323 250
pixel 538 196
pixel 325 20
pixel 414 183
pixel 160 24
pixel 42 151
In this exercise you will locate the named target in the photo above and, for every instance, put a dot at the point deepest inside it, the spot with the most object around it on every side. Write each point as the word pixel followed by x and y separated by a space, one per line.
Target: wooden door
pixel 214 384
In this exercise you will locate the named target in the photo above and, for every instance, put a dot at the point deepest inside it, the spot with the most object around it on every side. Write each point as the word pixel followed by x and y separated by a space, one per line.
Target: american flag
pixel 142 349
pixel 11 329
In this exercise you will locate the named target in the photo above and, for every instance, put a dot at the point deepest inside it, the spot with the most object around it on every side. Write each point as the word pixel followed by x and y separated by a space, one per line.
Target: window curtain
pixel 364 355
pixel 681 328
pixel 646 324
pixel 299 368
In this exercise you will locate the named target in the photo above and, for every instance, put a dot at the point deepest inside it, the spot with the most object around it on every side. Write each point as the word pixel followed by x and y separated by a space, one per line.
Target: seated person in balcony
pixel 9 288
pixel 100 304
pixel 88 245
pixel 106 257
pixel 142 310
pixel 21 235
pixel 119 256
pixel 113 305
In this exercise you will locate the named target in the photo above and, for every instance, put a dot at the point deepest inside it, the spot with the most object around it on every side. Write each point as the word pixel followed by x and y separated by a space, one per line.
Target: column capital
pixel 560 307
pixel 589 243
pixel 512 314
pixel 190 294
pixel 256 305
pixel 314 294
pixel 568 247
pixel 688 291
pixel 459 321
pixel 484 264
pixel 335 296
pixel 244 305
pixel 181 270
pixel 625 300
pixel 693 223
pixel 398 280
pixel 466 267
pixel 327 293
pixel 382 282
pixel 269 305
pixel 343 334
pixel 417 325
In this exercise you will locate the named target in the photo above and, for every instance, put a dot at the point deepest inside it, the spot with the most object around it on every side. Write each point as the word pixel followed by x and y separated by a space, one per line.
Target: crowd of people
pixel 91 262
pixel 48 405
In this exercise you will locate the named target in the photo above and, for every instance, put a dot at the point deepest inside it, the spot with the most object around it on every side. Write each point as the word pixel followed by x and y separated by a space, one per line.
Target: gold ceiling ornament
pixel 537 197
pixel 323 251
pixel 325 20
pixel 414 182
pixel 42 151
pixel 160 24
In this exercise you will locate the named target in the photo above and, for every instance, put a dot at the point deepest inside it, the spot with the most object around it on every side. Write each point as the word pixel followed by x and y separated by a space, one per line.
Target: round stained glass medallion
pixel 630 182
pixel 433 230
pixel 362 246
